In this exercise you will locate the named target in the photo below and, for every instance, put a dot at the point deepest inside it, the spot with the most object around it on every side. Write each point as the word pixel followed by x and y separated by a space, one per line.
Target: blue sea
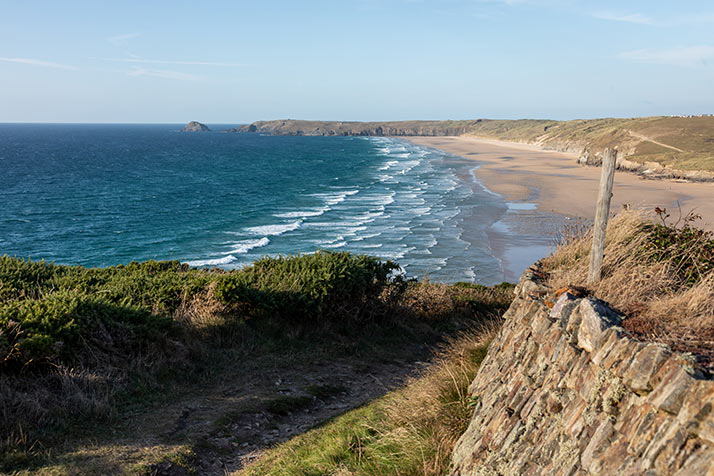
pixel 100 195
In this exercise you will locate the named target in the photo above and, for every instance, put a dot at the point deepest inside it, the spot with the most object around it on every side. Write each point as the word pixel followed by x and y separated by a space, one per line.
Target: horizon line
pixel 350 120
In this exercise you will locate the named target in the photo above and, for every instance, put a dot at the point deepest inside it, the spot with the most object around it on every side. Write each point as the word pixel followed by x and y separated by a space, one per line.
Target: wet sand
pixel 560 190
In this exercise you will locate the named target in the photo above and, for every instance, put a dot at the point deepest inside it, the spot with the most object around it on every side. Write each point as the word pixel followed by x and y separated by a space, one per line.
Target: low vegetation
pixel 84 346
pixel 658 271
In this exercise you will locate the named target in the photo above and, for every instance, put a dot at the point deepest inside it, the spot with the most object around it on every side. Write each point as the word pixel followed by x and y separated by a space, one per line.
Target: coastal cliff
pixel 333 128
pixel 565 390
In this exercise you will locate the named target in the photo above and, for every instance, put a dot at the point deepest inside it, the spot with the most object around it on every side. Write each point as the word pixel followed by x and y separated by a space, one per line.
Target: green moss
pixel 324 391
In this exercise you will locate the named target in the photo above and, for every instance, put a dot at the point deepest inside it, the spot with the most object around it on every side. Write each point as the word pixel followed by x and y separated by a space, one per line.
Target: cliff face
pixel 326 128
pixel 563 391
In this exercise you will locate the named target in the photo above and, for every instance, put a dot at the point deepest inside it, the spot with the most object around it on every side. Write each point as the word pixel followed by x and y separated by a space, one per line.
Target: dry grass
pixel 661 301
pixel 439 401
pixel 425 301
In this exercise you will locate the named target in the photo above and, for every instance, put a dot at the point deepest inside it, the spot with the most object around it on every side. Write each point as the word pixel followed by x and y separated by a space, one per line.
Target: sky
pixel 233 62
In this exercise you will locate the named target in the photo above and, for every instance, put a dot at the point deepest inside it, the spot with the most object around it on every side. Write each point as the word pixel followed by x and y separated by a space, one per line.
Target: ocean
pixel 100 195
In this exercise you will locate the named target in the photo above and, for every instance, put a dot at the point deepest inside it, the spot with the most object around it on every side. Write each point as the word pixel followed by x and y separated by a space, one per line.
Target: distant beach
pixel 557 184
pixel 547 189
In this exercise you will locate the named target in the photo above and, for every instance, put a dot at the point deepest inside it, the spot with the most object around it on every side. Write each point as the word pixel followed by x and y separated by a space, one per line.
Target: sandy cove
pixel 557 184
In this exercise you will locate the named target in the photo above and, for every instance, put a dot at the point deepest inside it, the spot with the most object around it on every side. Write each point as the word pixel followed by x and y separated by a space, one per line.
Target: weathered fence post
pixel 601 215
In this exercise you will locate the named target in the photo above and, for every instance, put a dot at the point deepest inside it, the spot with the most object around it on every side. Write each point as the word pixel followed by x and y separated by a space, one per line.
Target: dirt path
pixel 217 430
pixel 649 139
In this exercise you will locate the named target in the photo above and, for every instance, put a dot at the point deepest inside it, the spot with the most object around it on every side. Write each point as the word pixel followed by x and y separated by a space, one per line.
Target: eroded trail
pixel 649 139
pixel 218 429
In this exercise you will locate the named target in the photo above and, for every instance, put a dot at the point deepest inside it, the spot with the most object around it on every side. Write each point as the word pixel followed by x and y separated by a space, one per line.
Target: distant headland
pixel 679 147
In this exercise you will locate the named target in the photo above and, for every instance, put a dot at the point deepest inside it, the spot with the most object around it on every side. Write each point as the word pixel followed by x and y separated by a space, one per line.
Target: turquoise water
pixel 100 195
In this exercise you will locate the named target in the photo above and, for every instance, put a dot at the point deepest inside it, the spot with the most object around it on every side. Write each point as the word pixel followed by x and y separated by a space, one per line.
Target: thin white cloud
pixel 149 61
pixel 507 2
pixel 702 18
pixel 681 56
pixel 36 62
pixel 624 17
pixel 162 73
pixel 536 3
pixel 122 40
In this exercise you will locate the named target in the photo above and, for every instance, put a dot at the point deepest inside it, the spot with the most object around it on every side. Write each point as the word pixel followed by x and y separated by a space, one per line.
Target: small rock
pixel 596 318
pixel 195 126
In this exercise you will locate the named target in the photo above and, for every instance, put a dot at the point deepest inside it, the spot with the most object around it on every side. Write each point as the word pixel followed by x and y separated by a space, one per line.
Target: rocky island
pixel 195 126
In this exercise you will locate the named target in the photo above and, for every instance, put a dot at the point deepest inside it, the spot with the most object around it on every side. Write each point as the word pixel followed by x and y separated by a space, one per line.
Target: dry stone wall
pixel 564 391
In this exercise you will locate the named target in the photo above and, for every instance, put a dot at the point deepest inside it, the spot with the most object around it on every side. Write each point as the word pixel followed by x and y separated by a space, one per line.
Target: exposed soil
pixel 217 430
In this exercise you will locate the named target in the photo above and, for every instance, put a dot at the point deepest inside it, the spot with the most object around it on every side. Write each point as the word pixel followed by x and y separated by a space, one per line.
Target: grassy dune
pixel 683 143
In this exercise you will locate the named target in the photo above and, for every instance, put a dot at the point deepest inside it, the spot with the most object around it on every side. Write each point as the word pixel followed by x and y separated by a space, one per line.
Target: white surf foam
pixel 313 212
pixel 333 198
pixel 272 230
pixel 382 199
pixel 388 164
pixel 243 246
pixel 212 262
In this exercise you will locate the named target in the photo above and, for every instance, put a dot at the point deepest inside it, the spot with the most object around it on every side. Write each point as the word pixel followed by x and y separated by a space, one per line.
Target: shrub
pixel 322 285
pixel 689 250
pixel 57 325
pixel 51 313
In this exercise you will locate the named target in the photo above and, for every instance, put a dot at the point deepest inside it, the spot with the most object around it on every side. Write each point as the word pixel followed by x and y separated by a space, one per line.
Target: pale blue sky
pixel 240 61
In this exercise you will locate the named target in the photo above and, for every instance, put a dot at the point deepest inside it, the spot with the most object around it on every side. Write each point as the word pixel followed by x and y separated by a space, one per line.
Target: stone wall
pixel 564 391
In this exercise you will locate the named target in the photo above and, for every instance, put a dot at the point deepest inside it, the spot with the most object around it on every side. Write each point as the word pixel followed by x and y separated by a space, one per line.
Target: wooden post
pixel 601 215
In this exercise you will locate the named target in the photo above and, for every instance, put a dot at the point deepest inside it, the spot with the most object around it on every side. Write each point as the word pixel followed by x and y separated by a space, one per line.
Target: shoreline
pixel 559 190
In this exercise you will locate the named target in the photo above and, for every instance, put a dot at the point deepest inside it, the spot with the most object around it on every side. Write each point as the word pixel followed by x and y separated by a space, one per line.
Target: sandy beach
pixel 557 184
pixel 546 189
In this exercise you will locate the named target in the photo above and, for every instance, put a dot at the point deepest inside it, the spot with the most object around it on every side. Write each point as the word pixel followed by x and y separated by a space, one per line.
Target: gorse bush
pixel 307 287
pixel 52 313
pixel 690 250
pixel 53 327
